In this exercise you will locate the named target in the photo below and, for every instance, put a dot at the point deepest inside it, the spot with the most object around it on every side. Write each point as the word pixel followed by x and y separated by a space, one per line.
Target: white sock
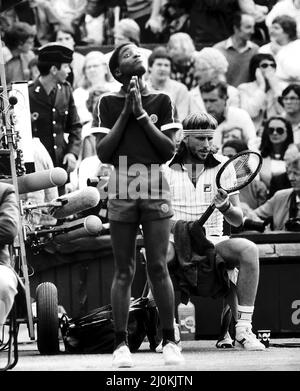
pixel 244 317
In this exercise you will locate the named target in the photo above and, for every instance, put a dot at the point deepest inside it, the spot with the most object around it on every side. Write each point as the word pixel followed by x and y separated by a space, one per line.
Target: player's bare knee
pixel 249 253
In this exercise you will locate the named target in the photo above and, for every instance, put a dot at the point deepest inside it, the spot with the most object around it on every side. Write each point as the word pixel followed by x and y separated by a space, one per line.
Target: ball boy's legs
pixel 156 240
pixel 123 236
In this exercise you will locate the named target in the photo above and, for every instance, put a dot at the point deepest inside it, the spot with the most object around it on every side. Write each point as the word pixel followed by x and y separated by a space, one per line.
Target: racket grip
pixel 206 214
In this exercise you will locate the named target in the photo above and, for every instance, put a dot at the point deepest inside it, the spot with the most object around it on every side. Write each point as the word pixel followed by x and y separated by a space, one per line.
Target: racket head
pixel 239 171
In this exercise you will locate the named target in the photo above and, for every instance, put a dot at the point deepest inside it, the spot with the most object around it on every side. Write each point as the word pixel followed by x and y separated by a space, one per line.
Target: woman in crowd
pixel 290 100
pixel 260 96
pixel 94 84
pixel 181 48
pixel 282 31
pixel 285 7
pixel 288 57
pixel 210 65
pixel 95 74
pixel 276 137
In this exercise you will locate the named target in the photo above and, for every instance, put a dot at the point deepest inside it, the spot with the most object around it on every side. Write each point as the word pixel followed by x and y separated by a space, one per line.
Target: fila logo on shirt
pixel 207 187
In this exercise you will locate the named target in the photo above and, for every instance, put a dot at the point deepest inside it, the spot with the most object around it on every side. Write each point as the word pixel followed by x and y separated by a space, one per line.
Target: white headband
pixel 199 132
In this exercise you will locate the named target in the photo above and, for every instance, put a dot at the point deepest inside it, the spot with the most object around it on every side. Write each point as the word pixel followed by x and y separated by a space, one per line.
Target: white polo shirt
pixel 190 202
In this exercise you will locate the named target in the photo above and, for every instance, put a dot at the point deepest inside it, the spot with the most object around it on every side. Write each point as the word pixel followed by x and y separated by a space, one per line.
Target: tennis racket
pixel 236 173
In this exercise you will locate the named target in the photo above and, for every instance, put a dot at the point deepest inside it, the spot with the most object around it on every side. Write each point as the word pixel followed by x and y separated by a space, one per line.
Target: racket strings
pixel 242 168
pixel 239 172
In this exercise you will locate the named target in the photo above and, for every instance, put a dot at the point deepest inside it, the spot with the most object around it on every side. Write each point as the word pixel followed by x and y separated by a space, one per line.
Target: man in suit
pixel 52 106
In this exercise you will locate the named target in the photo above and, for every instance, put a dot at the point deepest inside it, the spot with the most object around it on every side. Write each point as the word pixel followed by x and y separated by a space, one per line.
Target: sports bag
pixel 94 332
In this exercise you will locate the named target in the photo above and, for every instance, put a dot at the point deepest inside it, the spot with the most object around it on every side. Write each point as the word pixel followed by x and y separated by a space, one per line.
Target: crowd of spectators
pixel 234 59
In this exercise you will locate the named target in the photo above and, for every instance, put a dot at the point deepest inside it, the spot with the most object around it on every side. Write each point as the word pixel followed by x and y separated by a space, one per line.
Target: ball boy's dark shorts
pixel 133 198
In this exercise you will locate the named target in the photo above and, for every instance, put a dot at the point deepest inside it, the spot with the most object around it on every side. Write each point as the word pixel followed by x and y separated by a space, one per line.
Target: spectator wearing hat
pixel 19 39
pixel 52 106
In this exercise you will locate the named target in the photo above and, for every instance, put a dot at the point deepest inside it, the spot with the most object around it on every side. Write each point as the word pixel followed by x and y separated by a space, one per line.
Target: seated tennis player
pixel 192 179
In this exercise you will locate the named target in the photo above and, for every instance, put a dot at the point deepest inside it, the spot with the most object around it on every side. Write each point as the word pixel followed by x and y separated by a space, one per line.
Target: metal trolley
pixel 46 293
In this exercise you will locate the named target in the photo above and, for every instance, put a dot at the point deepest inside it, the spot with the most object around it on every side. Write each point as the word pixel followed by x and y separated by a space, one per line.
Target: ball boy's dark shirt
pixel 135 144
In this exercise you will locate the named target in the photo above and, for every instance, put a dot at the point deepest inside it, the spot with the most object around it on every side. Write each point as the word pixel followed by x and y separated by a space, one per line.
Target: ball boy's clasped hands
pixel 133 101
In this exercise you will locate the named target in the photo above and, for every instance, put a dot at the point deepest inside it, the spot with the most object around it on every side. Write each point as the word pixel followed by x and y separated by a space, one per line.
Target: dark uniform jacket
pixel 9 220
pixel 50 120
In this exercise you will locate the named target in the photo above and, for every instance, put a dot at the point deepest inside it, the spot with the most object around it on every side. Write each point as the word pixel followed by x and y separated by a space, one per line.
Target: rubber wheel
pixel 47 318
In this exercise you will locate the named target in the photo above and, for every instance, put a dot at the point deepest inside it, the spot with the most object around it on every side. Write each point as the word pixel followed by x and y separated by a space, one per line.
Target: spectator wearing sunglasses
pixel 276 137
pixel 259 97
pixel 290 100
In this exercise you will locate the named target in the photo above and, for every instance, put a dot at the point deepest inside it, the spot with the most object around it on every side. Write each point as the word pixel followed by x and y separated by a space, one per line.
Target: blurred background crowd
pixel 238 60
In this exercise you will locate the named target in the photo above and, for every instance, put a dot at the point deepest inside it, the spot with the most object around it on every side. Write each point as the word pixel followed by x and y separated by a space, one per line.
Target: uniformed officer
pixel 52 106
